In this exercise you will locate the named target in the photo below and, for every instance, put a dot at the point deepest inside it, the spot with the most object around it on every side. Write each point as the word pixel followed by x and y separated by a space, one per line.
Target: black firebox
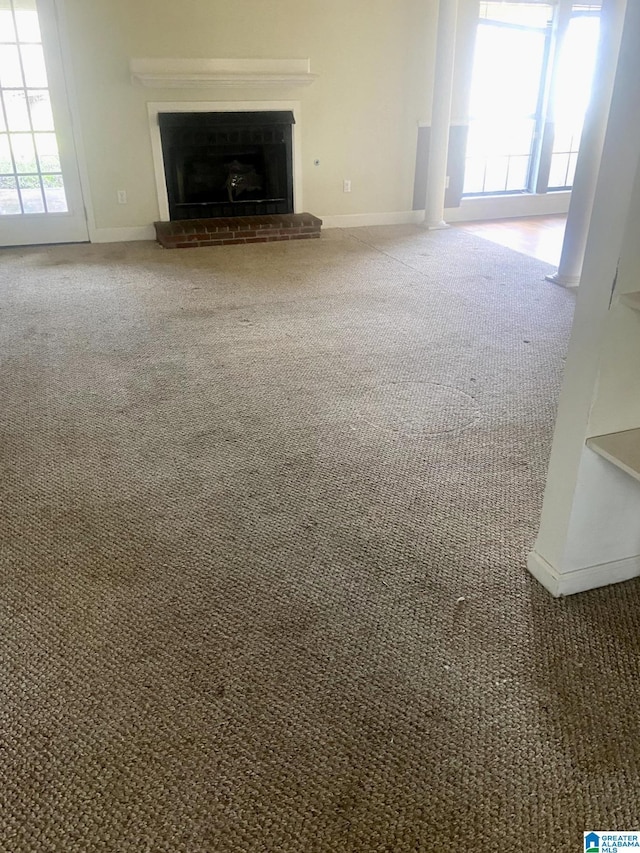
pixel 227 164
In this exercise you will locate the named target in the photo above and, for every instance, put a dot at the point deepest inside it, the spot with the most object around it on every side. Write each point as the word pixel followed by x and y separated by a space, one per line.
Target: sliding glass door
pixel 571 93
pixel 512 46
pixel 530 87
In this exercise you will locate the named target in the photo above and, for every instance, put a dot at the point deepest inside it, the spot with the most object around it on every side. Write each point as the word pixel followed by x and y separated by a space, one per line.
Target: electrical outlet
pixel 122 196
pixel 346 186
pixel 446 183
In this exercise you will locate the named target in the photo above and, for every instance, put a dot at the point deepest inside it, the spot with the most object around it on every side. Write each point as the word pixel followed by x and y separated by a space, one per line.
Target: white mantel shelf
pixel 208 73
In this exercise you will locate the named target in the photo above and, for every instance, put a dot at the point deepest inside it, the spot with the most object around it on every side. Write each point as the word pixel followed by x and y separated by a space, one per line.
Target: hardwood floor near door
pixel 537 236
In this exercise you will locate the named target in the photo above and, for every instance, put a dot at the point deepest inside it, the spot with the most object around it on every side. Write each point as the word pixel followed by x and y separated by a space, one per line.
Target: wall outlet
pixel 346 186
pixel 122 196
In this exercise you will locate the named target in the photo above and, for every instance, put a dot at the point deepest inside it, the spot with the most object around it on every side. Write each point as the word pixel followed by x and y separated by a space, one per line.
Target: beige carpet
pixel 265 511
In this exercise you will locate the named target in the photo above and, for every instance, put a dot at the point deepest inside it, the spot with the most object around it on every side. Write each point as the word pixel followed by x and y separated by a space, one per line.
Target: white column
pixel 590 155
pixel 589 532
pixel 441 114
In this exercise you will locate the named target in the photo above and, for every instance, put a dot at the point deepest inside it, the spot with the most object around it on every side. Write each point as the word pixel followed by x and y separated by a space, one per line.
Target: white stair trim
pixel 581 580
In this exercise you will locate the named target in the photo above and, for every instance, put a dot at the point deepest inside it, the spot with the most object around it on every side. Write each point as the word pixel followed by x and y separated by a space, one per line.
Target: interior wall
pixel 360 117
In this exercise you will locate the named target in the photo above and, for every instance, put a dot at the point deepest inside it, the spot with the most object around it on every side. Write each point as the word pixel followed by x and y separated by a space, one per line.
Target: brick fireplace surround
pixel 191 233
pixel 219 231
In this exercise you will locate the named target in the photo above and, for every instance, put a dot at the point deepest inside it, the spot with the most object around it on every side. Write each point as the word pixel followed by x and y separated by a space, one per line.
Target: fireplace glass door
pixel 227 164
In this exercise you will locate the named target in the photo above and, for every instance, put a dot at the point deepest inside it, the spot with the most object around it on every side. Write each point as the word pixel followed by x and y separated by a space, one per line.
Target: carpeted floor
pixel 265 511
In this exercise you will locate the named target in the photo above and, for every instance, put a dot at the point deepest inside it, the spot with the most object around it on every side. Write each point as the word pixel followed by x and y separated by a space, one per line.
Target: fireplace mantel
pixel 200 73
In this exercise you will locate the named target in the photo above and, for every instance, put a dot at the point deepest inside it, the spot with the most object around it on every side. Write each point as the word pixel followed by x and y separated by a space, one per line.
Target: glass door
pixel 507 88
pixel 530 88
pixel 574 76
pixel 40 194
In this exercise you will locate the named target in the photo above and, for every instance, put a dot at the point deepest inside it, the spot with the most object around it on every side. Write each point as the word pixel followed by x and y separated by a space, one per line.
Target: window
pixel 30 172
pixel 530 86
pixel 574 77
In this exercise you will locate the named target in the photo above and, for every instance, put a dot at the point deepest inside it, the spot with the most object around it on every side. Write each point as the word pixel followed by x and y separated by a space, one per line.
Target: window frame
pixel 540 157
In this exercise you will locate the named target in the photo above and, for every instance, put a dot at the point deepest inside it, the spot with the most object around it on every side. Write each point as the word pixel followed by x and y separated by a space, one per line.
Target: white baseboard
pixel 471 209
pixel 569 281
pixel 123 235
pixel 581 580
pixel 356 220
pixel 508 206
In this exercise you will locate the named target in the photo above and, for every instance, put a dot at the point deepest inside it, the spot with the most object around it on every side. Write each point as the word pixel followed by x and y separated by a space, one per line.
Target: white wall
pixel 359 118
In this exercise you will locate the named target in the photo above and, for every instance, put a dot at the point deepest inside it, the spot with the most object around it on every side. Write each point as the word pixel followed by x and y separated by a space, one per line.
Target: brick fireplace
pixel 192 233
pixel 198 227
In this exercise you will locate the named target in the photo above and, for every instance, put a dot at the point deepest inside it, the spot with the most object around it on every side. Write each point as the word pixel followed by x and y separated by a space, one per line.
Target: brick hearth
pixel 190 233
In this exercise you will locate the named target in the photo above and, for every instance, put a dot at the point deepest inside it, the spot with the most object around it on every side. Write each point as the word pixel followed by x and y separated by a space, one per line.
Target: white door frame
pixel 72 101
pixel 26 229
